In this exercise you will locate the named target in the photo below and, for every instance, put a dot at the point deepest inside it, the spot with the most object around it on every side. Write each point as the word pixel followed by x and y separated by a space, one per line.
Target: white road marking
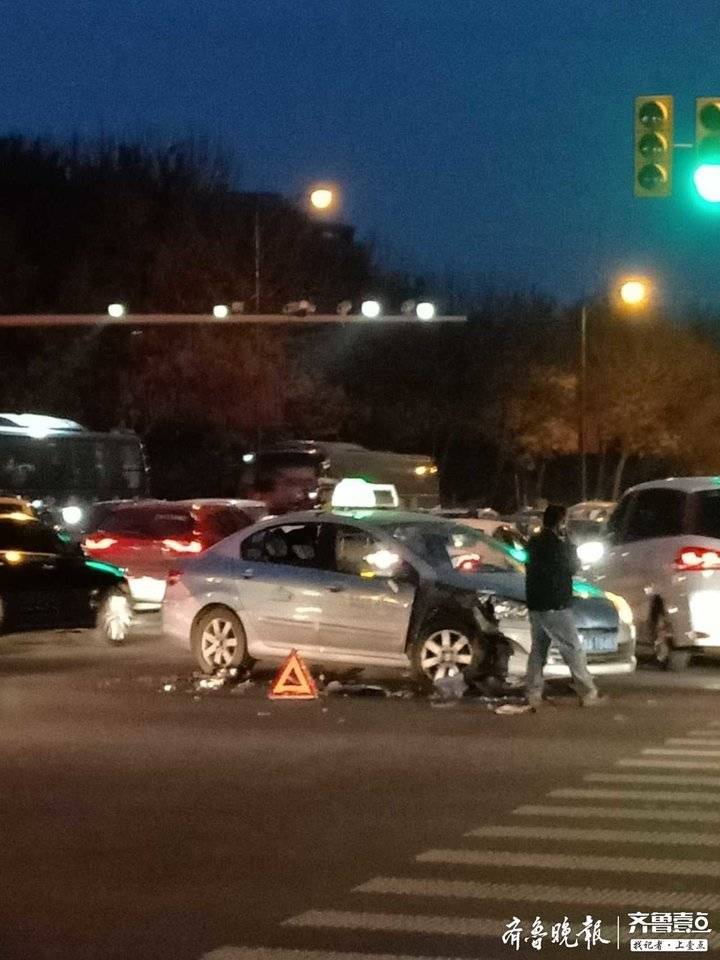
pixel 571 861
pixel 680 779
pixel 695 742
pixel 269 953
pixel 667 796
pixel 538 893
pixel 616 813
pixel 669 764
pixel 401 923
pixel 672 752
pixel 659 837
pixel 702 733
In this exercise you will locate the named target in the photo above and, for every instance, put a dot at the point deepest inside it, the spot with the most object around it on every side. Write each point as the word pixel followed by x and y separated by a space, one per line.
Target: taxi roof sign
pixel 354 493
pixel 293 681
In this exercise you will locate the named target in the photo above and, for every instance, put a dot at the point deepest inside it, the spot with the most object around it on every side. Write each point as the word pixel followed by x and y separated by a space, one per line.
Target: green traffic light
pixel 707 182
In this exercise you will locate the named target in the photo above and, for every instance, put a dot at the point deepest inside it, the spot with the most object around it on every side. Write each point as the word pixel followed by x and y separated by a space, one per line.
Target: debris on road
pixel 336 688
pixel 450 688
pixel 231 678
pixel 511 709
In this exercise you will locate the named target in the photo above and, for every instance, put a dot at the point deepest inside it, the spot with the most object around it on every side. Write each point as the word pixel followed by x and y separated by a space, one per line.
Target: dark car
pixel 47 582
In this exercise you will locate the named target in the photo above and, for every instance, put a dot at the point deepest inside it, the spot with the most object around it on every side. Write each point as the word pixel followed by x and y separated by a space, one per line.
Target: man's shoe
pixel 594 700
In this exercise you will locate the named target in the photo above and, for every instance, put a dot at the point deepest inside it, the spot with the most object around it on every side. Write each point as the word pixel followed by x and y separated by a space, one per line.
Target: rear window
pixel 28 537
pixel 150 524
pixel 706 514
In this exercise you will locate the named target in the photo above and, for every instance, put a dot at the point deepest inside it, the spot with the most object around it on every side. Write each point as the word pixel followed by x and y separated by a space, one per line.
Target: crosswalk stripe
pixel 270 953
pixel 667 796
pixel 694 742
pixel 538 893
pixel 568 861
pixel 401 923
pixel 616 813
pixel 424 924
pixel 659 837
pixel 703 733
pixel 680 779
pixel 669 764
pixel 672 752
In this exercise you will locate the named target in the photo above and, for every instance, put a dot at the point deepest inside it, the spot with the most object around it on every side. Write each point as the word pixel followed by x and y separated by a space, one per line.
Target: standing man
pixel 551 563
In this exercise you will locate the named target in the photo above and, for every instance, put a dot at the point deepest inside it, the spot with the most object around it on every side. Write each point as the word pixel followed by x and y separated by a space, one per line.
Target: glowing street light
pixel 425 311
pixel 633 293
pixel 116 310
pixel 322 198
pixel 220 311
pixel 370 309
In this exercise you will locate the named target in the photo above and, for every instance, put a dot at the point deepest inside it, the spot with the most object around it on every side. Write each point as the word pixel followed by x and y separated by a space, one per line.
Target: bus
pixel 414 476
pixel 62 469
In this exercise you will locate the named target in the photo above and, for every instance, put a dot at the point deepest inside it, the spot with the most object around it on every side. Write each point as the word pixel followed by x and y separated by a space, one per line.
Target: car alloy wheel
pixel 219 642
pixel 663 640
pixel 444 653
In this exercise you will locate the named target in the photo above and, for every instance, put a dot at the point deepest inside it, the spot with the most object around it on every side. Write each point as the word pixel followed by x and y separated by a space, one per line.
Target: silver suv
pixel 663 556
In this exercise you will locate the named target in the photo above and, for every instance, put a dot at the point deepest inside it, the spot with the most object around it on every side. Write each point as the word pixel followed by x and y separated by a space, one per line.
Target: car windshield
pixel 465 549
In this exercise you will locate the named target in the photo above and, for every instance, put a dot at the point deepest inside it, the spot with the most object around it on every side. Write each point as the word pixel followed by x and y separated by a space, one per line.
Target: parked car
pixel 371 587
pixel 145 537
pixel 46 582
pixel 12 505
pixel 662 554
pixel 491 523
pixel 587 522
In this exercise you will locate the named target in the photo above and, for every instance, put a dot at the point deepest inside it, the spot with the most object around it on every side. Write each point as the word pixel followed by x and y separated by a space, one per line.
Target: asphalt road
pixel 142 822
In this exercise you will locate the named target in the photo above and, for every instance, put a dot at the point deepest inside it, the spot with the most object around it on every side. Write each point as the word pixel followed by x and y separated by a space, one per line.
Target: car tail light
pixel 173 577
pixel 697 558
pixel 102 543
pixel 183 546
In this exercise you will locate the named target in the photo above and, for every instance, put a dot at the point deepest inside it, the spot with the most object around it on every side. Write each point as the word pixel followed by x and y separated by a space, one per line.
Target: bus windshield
pixel 85 465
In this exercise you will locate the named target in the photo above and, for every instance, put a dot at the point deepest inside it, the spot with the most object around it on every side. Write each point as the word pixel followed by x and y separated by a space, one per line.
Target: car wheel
pixel 663 644
pixel 114 617
pixel 444 648
pixel 218 641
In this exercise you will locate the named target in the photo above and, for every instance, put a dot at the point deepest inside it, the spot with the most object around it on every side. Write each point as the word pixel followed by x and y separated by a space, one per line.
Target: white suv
pixel 663 557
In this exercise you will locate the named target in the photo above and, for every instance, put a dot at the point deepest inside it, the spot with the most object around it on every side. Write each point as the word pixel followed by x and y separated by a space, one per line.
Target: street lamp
pixel 370 309
pixel 116 310
pixel 632 293
pixel 322 198
pixel 220 311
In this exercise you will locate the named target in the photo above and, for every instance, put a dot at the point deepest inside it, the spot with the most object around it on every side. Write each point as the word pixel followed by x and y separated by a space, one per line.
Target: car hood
pixel 590 612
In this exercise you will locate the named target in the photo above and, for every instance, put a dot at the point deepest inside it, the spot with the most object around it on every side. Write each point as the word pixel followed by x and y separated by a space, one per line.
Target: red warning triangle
pixel 293 681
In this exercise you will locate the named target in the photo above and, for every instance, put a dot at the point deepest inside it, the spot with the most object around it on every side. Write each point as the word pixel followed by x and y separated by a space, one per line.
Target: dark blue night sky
pixel 493 139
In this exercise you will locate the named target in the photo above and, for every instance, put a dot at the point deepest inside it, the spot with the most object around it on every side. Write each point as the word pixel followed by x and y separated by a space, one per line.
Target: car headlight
pixel 624 611
pixel 591 551
pixel 510 609
pixel 71 515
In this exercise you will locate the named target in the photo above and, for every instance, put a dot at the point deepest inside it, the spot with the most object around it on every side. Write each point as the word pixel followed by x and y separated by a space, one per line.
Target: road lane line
pixel 669 764
pixel 680 779
pixel 659 837
pixel 538 893
pixel 616 813
pixel 667 796
pixel 703 733
pixel 672 752
pixel 402 923
pixel 279 953
pixel 694 742
pixel 567 861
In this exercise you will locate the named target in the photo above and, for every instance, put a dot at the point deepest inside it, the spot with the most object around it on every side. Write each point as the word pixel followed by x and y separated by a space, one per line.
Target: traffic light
pixel 707 148
pixel 653 146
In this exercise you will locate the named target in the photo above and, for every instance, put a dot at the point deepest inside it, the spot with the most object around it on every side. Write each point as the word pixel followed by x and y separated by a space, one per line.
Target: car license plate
pixel 599 643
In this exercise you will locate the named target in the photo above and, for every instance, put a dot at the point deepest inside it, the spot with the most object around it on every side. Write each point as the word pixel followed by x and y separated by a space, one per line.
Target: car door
pixel 365 610
pixel 282 579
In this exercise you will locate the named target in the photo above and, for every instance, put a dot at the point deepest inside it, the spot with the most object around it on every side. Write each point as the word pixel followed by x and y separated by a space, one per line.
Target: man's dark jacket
pixel 551 563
